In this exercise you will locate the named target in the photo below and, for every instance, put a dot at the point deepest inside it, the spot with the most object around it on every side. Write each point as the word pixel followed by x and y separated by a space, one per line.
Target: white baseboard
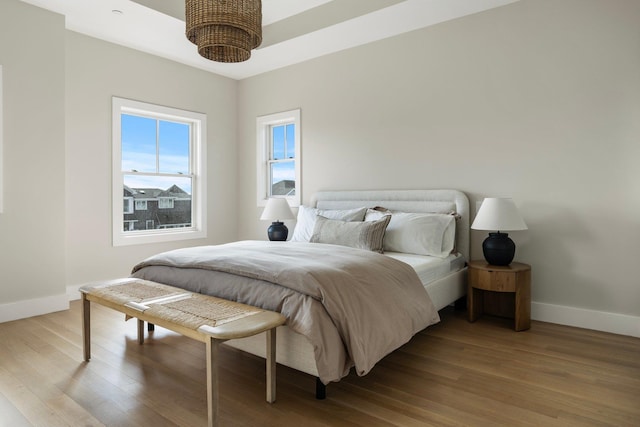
pixel 33 307
pixel 614 323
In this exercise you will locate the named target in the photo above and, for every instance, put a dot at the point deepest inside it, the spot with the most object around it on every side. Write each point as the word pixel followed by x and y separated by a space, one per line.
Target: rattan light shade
pixel 224 30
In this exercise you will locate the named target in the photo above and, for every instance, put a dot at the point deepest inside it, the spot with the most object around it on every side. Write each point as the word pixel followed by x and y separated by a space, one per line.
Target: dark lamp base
pixel 498 249
pixel 277 231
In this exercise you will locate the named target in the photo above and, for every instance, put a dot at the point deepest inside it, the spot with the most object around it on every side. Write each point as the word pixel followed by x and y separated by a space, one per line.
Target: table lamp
pixel 277 209
pixel 498 214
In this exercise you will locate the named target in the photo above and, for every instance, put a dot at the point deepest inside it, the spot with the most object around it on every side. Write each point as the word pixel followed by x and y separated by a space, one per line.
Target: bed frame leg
pixel 321 390
pixel 461 303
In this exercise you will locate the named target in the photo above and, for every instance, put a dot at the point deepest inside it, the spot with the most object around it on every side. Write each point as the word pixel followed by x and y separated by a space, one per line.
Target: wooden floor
pixel 454 373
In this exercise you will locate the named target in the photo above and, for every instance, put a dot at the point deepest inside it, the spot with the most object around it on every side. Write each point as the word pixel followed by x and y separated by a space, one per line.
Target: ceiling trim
pixel 132 24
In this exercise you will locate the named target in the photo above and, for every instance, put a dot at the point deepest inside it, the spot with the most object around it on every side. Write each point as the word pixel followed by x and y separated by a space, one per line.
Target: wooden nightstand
pixel 500 290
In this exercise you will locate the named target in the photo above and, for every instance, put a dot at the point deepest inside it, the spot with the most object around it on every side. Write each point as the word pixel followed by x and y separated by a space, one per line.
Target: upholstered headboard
pixel 406 201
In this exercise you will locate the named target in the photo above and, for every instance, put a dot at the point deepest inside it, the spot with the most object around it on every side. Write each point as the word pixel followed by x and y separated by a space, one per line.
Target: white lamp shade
pixel 498 214
pixel 277 209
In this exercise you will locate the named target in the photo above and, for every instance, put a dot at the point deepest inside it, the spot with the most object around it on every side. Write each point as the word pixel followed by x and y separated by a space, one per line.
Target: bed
pixel 443 277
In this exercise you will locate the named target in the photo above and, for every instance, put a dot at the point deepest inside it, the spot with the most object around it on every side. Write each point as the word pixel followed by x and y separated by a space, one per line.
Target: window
pixel 127 205
pixel 158 173
pixel 165 203
pixel 278 137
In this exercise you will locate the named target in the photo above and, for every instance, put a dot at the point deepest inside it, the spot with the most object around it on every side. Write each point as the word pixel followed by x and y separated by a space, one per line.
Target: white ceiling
pixel 293 30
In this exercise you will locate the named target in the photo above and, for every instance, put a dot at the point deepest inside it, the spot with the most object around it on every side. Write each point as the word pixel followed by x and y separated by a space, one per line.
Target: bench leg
pixel 140 331
pixel 271 365
pixel 86 327
pixel 212 381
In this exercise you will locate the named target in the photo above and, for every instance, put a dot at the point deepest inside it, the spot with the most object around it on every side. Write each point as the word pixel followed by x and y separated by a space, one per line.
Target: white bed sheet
pixel 430 268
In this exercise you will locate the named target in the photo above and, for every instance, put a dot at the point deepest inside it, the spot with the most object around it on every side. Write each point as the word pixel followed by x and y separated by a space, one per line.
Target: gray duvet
pixel 354 306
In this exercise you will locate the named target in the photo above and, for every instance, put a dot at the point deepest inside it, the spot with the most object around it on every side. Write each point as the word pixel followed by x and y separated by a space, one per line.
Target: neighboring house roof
pixel 173 191
pixel 153 193
pixel 284 186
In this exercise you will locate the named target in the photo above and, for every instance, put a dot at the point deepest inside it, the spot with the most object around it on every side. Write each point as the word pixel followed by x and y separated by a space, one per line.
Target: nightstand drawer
pixel 497 281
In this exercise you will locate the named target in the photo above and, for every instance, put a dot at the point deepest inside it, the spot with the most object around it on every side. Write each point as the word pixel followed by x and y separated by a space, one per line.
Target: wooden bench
pixel 204 318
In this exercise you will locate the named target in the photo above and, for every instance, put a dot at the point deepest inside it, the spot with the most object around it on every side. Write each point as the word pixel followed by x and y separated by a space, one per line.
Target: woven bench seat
pixel 204 318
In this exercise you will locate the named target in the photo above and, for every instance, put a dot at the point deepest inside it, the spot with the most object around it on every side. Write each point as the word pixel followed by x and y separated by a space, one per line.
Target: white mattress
pixel 430 268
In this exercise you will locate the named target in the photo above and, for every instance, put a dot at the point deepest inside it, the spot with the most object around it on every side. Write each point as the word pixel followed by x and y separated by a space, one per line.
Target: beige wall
pixel 32 226
pixel 55 232
pixel 96 71
pixel 538 100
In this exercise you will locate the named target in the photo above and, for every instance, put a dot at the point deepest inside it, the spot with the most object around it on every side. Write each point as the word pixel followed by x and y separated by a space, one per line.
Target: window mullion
pixel 167 174
pixel 271 143
pixel 284 131
pixel 157 146
pixel 269 177
pixel 192 153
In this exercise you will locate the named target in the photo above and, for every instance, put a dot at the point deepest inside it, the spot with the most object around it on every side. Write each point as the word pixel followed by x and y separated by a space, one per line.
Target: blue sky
pixel 283 147
pixel 143 152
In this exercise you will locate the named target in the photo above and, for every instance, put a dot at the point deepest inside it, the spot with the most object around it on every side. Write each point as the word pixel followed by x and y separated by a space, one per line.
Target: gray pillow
pixel 360 235
pixel 307 220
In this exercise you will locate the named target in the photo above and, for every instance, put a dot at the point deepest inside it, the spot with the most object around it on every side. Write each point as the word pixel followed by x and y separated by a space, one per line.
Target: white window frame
pixel 263 126
pixel 198 124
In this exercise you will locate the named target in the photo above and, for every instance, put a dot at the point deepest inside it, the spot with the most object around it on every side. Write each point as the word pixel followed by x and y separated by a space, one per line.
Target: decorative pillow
pixel 360 235
pixel 418 233
pixel 307 220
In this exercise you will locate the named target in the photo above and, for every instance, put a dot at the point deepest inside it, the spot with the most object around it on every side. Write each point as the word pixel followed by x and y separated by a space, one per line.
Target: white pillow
pixel 356 234
pixel 306 220
pixel 418 233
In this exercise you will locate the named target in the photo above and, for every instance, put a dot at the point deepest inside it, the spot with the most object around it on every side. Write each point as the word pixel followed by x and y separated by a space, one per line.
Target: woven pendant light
pixel 224 30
